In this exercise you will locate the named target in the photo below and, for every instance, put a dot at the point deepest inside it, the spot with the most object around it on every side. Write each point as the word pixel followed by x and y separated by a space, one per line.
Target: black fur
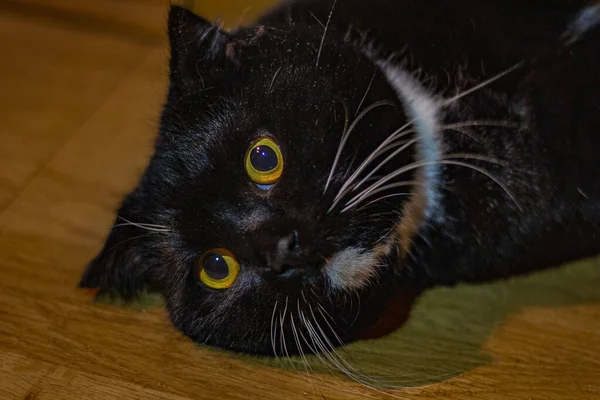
pixel 229 88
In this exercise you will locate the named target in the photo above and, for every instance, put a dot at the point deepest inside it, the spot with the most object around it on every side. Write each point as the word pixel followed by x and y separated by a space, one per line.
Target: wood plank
pixel 141 20
pixel 29 379
pixel 55 80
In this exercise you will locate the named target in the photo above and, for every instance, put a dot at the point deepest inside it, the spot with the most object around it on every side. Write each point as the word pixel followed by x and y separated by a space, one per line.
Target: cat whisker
pixel 346 121
pixel 343 366
pixel 282 330
pixel 387 159
pixel 382 189
pixel 313 348
pixel 272 330
pixel 483 84
pixel 457 127
pixel 399 133
pixel 366 93
pixel 273 80
pixel 296 340
pixel 347 188
pixel 335 358
pixel 466 124
pixel 299 345
pixel 448 160
pixel 317 352
pixel 388 144
pixel 320 309
pixel 387 234
pixel 489 175
pixel 130 239
pixel 317 19
pixel 149 227
pixel 347 133
pixel 358 307
pixel 327 358
pixel 379 199
pixel 325 33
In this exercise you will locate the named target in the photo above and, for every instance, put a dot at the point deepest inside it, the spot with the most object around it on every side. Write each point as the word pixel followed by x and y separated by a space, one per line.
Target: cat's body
pixel 552 151
pixel 500 174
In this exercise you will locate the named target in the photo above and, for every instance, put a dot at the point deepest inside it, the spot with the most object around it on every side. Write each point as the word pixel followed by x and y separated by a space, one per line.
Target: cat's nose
pixel 283 246
pixel 287 253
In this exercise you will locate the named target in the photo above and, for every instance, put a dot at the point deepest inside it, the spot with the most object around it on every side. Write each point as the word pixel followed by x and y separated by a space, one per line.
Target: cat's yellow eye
pixel 264 162
pixel 217 268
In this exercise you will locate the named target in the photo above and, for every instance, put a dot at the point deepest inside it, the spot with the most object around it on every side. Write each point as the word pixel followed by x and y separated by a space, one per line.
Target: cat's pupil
pixel 215 266
pixel 263 158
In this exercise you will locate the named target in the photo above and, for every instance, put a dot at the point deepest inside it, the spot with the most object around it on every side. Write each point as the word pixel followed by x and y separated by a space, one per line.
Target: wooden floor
pixel 82 84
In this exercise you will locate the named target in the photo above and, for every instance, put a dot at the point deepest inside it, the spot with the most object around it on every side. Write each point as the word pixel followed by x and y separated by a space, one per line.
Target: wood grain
pixel 76 132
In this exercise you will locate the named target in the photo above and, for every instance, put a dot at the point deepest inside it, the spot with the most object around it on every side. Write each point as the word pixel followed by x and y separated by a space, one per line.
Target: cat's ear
pixel 196 45
pixel 121 269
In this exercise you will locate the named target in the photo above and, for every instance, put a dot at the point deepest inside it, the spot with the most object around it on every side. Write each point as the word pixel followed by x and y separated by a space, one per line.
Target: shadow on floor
pixel 448 327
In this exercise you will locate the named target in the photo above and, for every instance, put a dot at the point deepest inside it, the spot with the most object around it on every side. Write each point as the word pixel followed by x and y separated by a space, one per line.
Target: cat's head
pixel 264 217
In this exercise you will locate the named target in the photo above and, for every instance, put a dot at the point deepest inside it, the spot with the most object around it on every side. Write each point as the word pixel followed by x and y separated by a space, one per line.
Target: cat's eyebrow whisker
pixel 325 33
pixel 273 80
pixel 347 133
pixel 317 19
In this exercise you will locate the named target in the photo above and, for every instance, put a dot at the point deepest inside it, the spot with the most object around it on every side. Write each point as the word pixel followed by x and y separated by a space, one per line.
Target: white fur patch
pixel 423 109
pixel 587 19
pixel 351 269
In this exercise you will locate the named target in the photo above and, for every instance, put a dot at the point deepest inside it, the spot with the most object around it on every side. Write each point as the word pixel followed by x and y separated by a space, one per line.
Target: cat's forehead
pixel 298 53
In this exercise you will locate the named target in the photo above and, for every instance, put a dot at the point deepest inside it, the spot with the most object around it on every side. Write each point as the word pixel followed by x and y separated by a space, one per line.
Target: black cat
pixel 327 164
